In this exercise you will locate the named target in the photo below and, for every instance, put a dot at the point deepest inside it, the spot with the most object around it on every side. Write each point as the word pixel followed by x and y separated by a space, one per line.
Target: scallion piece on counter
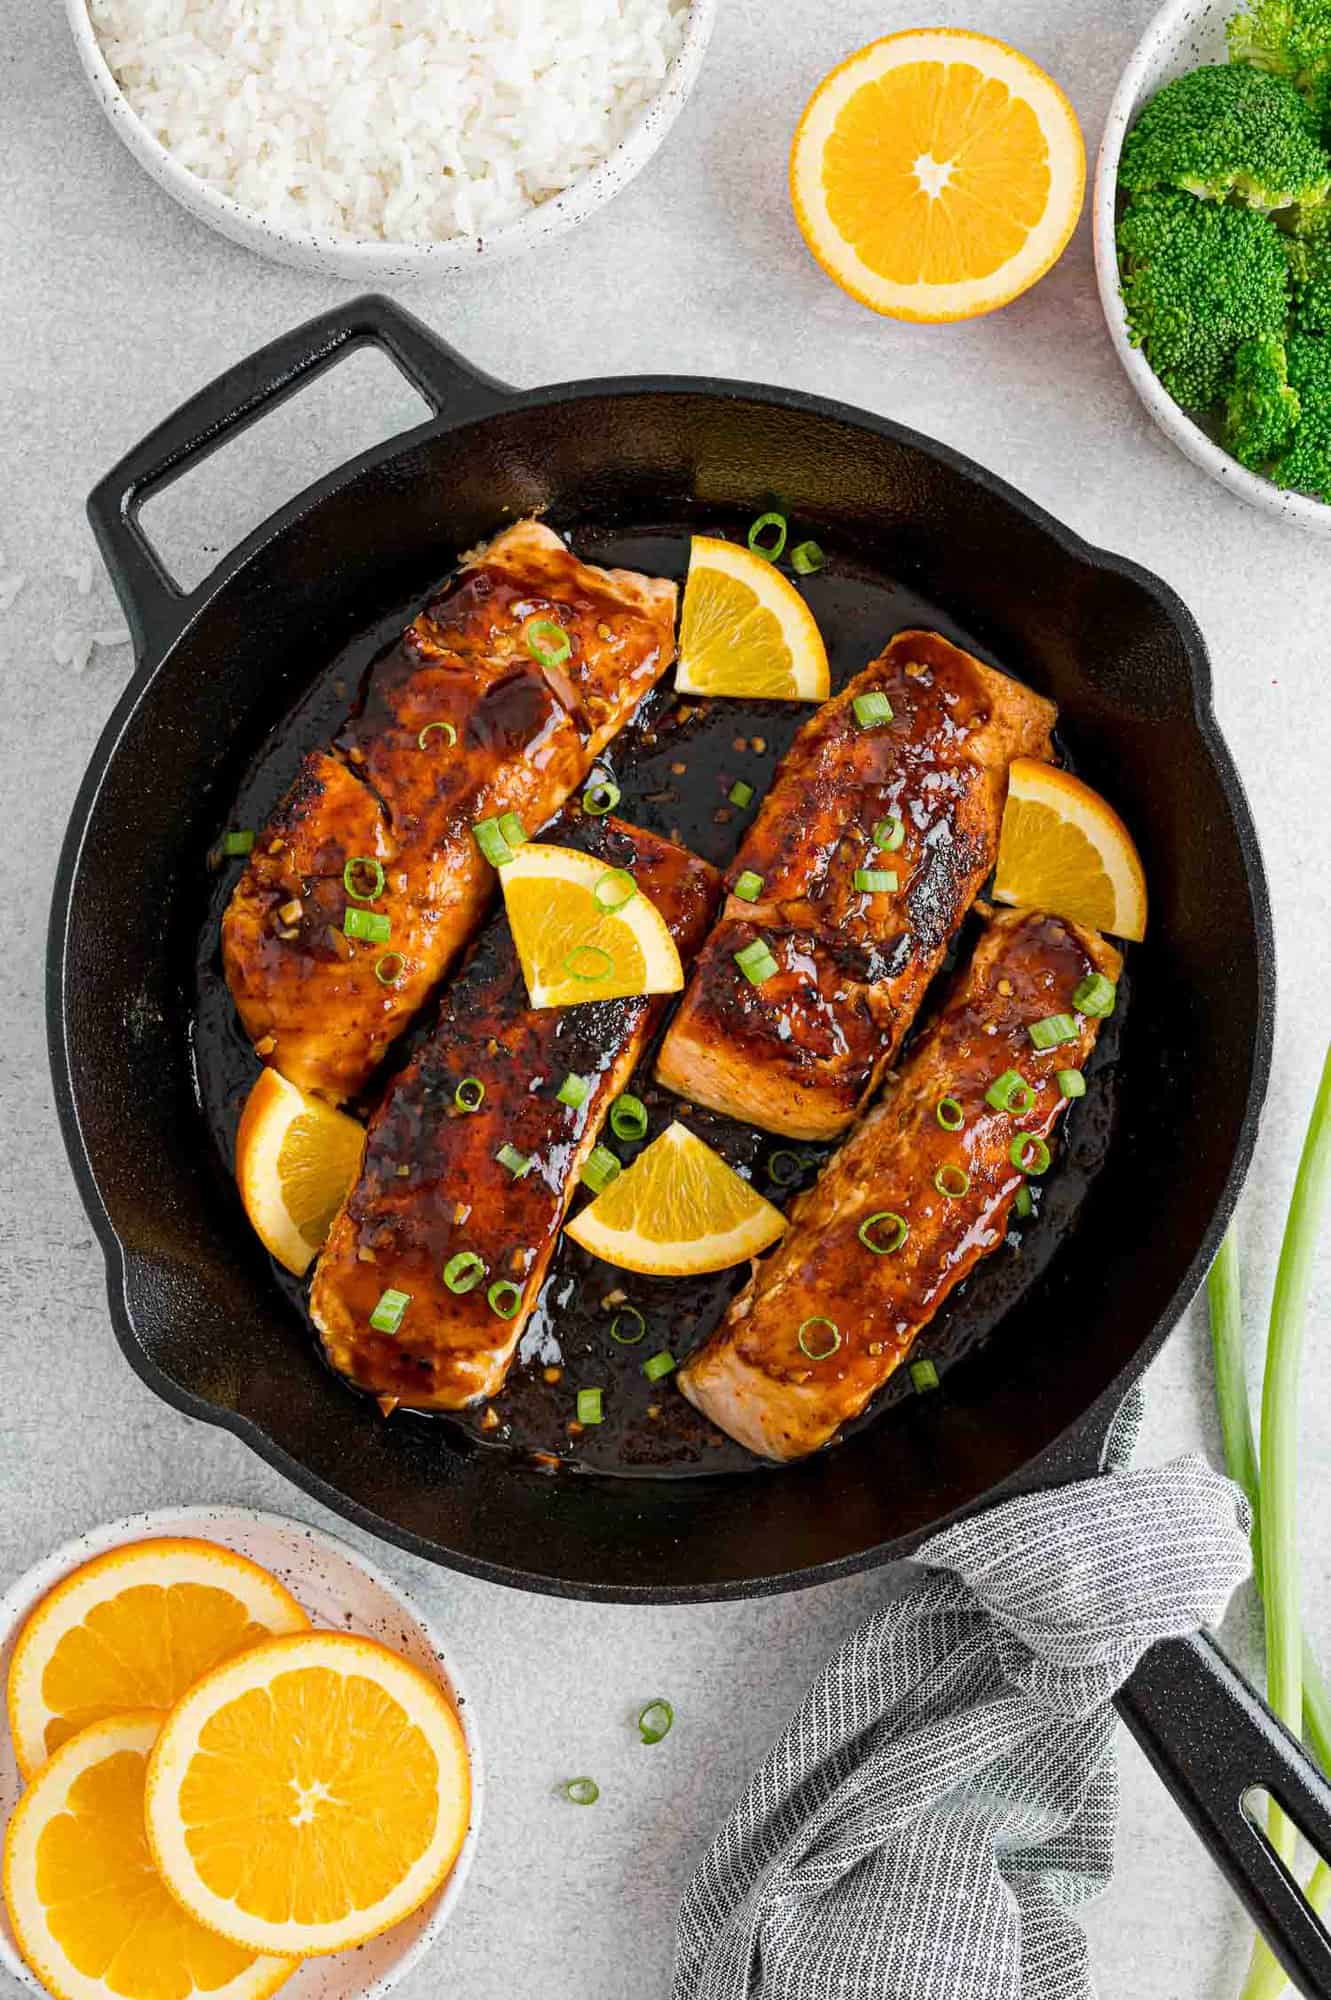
pixel 756 962
pixel 470 1094
pixel 628 1117
pixel 446 730
pixel 514 832
pixel 923 1376
pixel 1029 1153
pixel 548 643
pixel 628 1326
pixel 950 1114
pixel 1010 1092
pixel 601 796
pixel 875 881
pixel 883 1232
pixel 370 925
pixel 1023 1204
pixel 806 557
pixel 819 1337
pixel 952 1182
pixel 785 1167
pixel 589 1406
pixel 1071 1082
pixel 588 963
pixel 239 841
pixel 872 709
pixel 656 1721
pixel 599 1168
pixel 889 833
pixel 574 1091
pixel 582 1791
pixel 767 536
pixel 388 969
pixel 614 891
pixel 490 839
pixel 1054 1028
pixel 504 1298
pixel 740 794
pixel 516 1163
pixel 387 1315
pixel 363 878
pixel 748 886
pixel 1096 996
pixel 464 1272
pixel 658 1366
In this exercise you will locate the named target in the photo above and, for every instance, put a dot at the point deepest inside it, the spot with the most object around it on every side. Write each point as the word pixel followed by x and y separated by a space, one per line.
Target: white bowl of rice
pixel 383 139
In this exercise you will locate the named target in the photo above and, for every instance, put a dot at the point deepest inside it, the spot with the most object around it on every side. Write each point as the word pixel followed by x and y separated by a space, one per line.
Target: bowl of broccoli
pixel 1213 242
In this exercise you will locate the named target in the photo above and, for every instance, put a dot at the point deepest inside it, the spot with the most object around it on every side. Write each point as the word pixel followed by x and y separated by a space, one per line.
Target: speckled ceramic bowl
pixel 374 261
pixel 339 1589
pixel 1183 34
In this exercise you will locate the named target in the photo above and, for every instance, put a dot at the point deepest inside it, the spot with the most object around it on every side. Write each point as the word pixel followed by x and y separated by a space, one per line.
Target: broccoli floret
pixel 1199 278
pixel 1306 465
pixel 1289 38
pixel 1227 130
pixel 1310 279
pixel 1261 409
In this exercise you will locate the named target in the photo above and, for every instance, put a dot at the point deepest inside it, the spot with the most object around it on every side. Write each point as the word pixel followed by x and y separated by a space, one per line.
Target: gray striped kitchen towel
pixel 946 1795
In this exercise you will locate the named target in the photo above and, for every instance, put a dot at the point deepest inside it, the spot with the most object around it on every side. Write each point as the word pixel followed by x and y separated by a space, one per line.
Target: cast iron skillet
pixel 191 1295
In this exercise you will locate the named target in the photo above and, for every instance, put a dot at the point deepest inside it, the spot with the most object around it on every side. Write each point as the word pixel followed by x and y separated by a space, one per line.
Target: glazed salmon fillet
pixel 800 1053
pixel 861 1309
pixel 432 1187
pixel 459 722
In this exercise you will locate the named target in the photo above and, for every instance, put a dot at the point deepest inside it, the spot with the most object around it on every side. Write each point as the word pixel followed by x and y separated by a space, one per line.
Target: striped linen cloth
pixel 946 1795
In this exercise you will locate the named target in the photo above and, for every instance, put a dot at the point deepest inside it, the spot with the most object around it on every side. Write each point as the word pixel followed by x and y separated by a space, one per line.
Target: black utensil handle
pixel 153 602
pixel 1213 1740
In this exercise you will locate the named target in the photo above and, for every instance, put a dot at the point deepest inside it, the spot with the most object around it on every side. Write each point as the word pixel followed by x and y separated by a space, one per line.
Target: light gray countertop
pixel 113 307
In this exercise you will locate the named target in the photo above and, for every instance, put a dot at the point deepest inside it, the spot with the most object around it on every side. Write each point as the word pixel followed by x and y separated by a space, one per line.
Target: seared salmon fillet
pixel 432 1186
pixel 802 1051
pixel 459 722
pixel 861 1307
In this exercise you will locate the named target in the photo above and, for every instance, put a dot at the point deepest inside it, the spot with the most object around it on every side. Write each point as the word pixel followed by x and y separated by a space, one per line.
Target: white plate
pixel 1183 35
pixel 339 1589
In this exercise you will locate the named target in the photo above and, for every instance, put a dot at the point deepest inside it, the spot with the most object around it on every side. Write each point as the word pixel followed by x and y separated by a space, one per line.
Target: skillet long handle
pixel 154 604
pixel 1213 1741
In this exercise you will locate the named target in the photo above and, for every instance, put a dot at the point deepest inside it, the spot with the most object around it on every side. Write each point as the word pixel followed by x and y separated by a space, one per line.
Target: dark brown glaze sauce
pixel 856 610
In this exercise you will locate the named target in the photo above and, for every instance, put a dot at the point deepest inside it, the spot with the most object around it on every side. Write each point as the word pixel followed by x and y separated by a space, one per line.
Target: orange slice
pixel 679 1209
pixel 90 1912
pixel 937 174
pixel 583 930
pixel 132 1629
pixel 308 1795
pixel 745 630
pixel 1063 848
pixel 296 1161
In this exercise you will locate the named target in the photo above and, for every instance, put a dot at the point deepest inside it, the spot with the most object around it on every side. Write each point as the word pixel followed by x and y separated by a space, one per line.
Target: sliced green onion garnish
pixel 872 709
pixel 363 878
pixel 1023 1204
pixel 1096 996
pixel 887 1225
pixel 505 1298
pixel 1010 1092
pixel 748 886
pixel 949 1113
pixel 1071 1082
pixel 548 643
pixel 875 881
pixel 785 1167
pixel 889 833
pixel 464 1272
pixel 388 969
pixel 490 839
pixel 387 1315
pixel 588 963
pixel 740 794
pixel 446 730
pixel 952 1182
pixel 599 1168
pixel 655 1721
pixel 818 1337
pixel 1029 1152
pixel 574 1091
pixel 238 842
pixel 806 557
pixel 589 1406
pixel 371 925
pixel 470 1094
pixel 658 1366
pixel 615 889
pixel 924 1376
pixel 772 526
pixel 628 1326
pixel 517 1163
pixel 601 796
pixel 514 832
pixel 628 1117
pixel 1054 1028
pixel 756 962
pixel 582 1791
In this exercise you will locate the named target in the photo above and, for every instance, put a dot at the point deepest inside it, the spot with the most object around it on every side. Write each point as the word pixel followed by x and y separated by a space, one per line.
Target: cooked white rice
pixel 410 120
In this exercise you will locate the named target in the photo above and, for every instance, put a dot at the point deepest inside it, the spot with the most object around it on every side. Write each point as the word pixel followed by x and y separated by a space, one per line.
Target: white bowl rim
pixel 647 131
pixel 1191 439
pixel 28 1588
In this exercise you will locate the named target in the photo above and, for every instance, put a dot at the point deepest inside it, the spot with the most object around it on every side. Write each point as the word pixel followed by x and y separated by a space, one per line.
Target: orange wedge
pixel 1063 848
pixel 308 1795
pixel 132 1629
pixel 745 630
pixel 296 1161
pixel 937 174
pixel 583 930
pixel 678 1210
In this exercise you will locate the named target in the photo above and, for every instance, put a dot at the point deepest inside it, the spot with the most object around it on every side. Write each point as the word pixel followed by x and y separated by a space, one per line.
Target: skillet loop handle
pixel 1214 1742
pixel 155 606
